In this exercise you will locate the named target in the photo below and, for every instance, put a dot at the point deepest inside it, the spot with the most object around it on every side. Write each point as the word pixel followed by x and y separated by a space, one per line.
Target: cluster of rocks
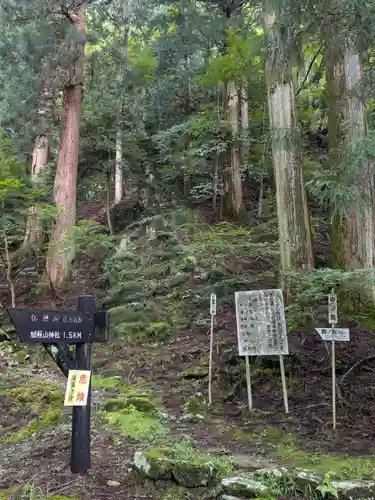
pixel 264 483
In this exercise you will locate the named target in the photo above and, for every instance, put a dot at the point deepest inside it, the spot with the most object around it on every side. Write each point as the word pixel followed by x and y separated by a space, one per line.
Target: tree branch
pixel 309 69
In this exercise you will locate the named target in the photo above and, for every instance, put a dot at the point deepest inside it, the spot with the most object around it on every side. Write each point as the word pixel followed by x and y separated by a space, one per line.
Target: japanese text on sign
pixel 53 326
pixel 261 327
pixel 213 304
pixel 77 388
pixel 332 309
pixel 332 334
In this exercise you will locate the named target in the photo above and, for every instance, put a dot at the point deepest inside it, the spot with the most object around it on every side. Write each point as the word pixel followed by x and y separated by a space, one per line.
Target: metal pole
pixel 81 453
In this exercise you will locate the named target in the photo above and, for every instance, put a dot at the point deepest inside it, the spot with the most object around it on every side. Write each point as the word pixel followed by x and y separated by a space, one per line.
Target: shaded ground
pixel 175 373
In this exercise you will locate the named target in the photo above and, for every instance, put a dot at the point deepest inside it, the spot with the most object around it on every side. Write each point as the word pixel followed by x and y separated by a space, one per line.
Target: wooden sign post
pixel 81 327
pixel 333 334
pixel 261 331
pixel 213 314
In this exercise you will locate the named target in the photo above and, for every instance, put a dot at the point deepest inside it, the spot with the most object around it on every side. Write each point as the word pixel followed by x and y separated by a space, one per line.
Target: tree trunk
pixel 60 254
pixel 359 230
pixel 119 181
pixel 293 219
pixel 235 201
pixel 118 168
pixel 34 235
pixel 244 105
pixel 335 92
pixel 352 235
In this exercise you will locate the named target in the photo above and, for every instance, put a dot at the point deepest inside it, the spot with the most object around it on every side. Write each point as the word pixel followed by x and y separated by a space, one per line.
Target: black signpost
pixel 58 329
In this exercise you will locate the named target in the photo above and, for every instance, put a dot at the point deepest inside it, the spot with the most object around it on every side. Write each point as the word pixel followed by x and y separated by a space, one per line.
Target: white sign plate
pixel 340 334
pixel 261 327
pixel 213 304
pixel 332 309
pixel 77 388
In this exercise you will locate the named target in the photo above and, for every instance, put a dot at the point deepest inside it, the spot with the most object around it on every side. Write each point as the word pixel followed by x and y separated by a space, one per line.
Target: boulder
pixel 193 475
pixel 356 489
pixel 244 485
pixel 153 464
pixel 305 479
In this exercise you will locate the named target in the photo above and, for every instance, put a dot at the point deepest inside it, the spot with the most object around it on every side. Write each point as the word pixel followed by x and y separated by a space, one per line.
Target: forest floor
pixel 35 436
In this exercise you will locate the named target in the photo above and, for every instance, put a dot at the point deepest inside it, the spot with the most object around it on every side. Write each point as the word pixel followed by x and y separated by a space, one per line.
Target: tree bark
pixel 119 192
pixel 335 93
pixel 60 254
pixel 353 234
pixel 359 230
pixel 293 218
pixel 244 106
pixel 34 236
pixel 236 201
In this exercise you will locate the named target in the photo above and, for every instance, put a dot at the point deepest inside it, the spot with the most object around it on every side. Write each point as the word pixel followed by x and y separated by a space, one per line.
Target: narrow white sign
pixel 332 309
pixel 261 327
pixel 213 304
pixel 333 334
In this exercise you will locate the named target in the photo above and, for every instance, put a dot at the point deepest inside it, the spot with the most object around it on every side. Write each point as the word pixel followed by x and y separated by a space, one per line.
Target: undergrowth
pixel 162 275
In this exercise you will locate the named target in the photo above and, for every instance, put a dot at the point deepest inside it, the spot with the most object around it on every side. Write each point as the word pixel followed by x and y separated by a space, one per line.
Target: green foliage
pixel 162 283
pixel 309 292
pixel 241 60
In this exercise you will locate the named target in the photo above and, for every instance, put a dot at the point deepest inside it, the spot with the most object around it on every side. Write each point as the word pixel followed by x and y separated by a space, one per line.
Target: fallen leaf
pixel 113 483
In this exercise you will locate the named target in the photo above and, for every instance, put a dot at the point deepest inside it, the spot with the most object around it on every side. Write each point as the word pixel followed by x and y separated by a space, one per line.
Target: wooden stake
pixel 333 384
pixel 283 382
pixel 210 362
pixel 248 383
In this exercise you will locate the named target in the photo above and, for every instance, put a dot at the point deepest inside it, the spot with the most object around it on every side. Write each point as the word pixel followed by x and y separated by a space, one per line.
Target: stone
pixel 193 475
pixel 355 490
pixel 229 497
pixel 195 408
pixel 307 478
pixel 267 472
pixel 244 485
pixel 252 462
pixel 153 464
pixel 194 372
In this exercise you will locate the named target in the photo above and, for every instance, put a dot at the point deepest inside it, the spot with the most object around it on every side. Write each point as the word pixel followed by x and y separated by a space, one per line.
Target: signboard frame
pixel 281 348
pixel 268 317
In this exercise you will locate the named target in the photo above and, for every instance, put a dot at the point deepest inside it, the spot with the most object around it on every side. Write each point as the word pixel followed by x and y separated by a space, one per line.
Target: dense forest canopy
pixel 255 118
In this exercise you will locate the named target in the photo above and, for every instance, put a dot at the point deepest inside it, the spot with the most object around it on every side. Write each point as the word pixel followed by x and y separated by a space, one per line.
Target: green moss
pixel 135 424
pixel 343 467
pixel 131 402
pixel 107 383
pixel 177 493
pixel 161 330
pixel 29 492
pixel 195 408
pixel 185 451
pixel 36 397
pixel 284 447
pixel 194 372
pixel 35 393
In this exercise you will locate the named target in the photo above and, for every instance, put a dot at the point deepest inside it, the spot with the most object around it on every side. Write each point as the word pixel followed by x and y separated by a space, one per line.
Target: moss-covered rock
pixel 193 475
pixel 154 463
pixel 195 408
pixel 305 479
pixel 194 372
pixel 181 462
pixel 356 489
pixel 244 485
